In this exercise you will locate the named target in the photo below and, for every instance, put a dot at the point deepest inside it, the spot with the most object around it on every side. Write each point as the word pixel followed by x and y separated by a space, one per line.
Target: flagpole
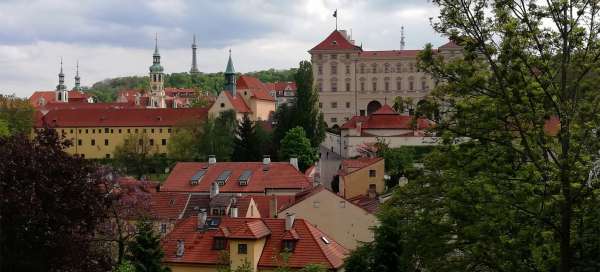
pixel 336 27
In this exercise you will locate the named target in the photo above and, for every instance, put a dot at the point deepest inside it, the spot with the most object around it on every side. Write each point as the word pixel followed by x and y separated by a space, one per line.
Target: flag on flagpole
pixel 335 13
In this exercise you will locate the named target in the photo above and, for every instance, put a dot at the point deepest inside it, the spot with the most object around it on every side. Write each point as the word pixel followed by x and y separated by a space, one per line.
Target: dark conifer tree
pixel 145 252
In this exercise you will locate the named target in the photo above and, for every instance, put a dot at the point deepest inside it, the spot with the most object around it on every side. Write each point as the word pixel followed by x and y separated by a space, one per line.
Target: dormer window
pixel 219 243
pixel 289 245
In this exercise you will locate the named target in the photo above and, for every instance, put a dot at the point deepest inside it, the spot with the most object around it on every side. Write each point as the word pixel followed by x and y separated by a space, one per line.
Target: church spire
pixel 194 69
pixel 77 78
pixel 61 78
pixel 230 76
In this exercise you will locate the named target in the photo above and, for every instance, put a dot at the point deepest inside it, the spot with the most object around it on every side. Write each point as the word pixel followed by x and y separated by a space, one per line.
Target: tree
pixel 306 113
pixel 16 114
pixel 134 156
pixel 284 121
pixel 313 268
pixel 514 186
pixel 52 205
pixel 145 252
pixel 4 132
pixel 360 259
pixel 403 104
pixel 246 145
pixel 296 144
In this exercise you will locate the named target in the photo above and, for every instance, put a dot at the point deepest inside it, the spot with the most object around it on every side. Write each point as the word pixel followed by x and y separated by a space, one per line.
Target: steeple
pixel 194 69
pixel 77 78
pixel 61 90
pixel 157 93
pixel 230 76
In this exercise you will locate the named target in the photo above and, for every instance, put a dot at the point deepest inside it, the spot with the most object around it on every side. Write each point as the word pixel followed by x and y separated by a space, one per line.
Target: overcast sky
pixel 113 38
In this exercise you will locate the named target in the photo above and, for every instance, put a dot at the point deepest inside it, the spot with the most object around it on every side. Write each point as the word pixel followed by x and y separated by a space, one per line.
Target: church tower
pixel 157 92
pixel 194 69
pixel 77 79
pixel 230 76
pixel 62 95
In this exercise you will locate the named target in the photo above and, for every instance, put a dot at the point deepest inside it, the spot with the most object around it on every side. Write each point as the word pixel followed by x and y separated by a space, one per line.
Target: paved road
pixel 330 163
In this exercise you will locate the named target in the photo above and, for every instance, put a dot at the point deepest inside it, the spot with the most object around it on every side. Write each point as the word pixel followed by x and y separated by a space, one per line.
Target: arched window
pixel 386 67
pixel 362 68
pixel 334 84
pixel 411 84
pixel 424 84
pixel 398 67
pixel 398 84
pixel 374 83
pixel 334 68
pixel 374 68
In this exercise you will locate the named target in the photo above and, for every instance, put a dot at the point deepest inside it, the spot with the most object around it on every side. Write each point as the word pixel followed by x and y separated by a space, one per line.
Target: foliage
pixel 360 259
pixel 16 115
pixel 106 90
pixel 283 260
pixel 514 187
pixel 246 143
pixel 52 205
pixel 137 157
pixel 145 252
pixel 404 104
pixel 196 141
pixel 284 120
pixel 273 75
pixel 306 113
pixel 245 267
pixel 313 268
pixel 125 266
pixel 296 144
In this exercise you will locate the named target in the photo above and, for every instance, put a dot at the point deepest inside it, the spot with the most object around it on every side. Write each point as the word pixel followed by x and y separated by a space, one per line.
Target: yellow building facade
pixel 360 176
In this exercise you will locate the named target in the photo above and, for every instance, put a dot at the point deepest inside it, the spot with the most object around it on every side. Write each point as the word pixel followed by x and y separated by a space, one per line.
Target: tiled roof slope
pixel 310 247
pixel 369 204
pixel 129 117
pixel 238 103
pixel 335 41
pixel 168 205
pixel 280 175
pixel 249 82
pixel 386 118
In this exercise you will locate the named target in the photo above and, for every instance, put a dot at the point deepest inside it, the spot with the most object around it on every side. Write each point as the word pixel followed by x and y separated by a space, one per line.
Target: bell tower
pixel 157 92
pixel 62 95
pixel 230 76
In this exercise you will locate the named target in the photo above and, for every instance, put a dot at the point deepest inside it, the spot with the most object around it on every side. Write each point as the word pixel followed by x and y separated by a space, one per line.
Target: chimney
pixel 266 162
pixel 201 219
pixel 233 211
pixel 212 159
pixel 294 162
pixel 273 207
pixel 214 190
pixel 289 220
pixel 180 248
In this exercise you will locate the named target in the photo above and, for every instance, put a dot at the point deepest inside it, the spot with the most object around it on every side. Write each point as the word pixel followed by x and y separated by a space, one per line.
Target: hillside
pixel 106 90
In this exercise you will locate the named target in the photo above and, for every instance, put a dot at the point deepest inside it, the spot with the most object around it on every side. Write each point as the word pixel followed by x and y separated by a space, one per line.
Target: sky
pixel 114 38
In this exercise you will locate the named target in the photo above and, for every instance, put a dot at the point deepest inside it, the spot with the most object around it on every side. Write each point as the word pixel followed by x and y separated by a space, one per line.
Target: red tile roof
pixel 310 246
pixel 128 117
pixel 249 82
pixel 450 44
pixel 386 118
pixel 262 95
pixel 281 86
pixel 263 203
pixel 369 204
pixel 168 205
pixel 349 166
pixel 336 41
pixel 238 103
pixel 281 175
pixel 83 105
pixel 50 97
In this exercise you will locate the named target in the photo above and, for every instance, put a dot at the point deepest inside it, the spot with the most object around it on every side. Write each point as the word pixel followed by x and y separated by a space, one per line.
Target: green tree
pixel 360 259
pixel 306 112
pixel 313 268
pixel 284 121
pixel 16 114
pixel 403 104
pixel 4 128
pixel 135 155
pixel 296 144
pixel 125 266
pixel 246 143
pixel 245 267
pixel 514 187
pixel 145 251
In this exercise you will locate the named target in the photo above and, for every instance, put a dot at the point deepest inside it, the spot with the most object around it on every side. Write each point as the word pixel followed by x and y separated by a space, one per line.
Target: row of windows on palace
pixel 106 142
pixel 112 131
pixel 362 68
pixel 374 85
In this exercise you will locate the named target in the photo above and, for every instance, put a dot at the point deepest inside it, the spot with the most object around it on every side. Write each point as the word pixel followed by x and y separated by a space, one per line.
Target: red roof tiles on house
pixel 262 95
pixel 369 204
pixel 263 203
pixel 349 166
pixel 386 118
pixel 238 103
pixel 249 82
pixel 128 117
pixel 281 86
pixel 168 205
pixel 336 41
pixel 50 97
pixel 310 247
pixel 281 175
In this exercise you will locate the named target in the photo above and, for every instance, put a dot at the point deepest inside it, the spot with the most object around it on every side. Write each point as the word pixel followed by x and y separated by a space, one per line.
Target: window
pixel 399 84
pixel 106 130
pixel 105 141
pixel 79 131
pixel 347 86
pixel 386 86
pixel 128 130
pixel 362 86
pixel 320 86
pixel 144 130
pixel 320 105
pixel 386 68
pixel 374 86
pixel 107 156
pixel 79 142
pixel 160 130
pixel 374 68
pixel 334 85
pixel 316 204
pixel 347 69
pixel 398 67
pixel 140 142
pixel 151 141
pixel 319 56
pixel 334 69
pixel 372 173
pixel 334 105
pixel 71 131
pixel 169 130
pixel 423 84
pixel 347 56
pixel 163 228
pixel 333 56
pixel 119 131
pixel 93 131
pixel 136 130
pixel 242 248
pixel 219 243
pixel 411 67
pixel 99 131
pixel 362 112
pixel 222 105
pixel 151 130
pixel 362 68
pixel 164 141
pixel 320 69
pixel 93 142
pixel 289 245
pixel 347 105
pixel 333 120
pixel 411 86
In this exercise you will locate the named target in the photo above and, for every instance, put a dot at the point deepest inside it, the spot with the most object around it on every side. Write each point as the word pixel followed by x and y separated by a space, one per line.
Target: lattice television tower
pixel 402 41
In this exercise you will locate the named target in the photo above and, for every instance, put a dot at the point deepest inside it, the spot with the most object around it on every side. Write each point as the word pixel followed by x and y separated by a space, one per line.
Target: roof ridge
pixel 185 206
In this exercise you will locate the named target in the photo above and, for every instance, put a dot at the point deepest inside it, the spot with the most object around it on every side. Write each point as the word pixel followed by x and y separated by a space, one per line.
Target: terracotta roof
pixel 168 205
pixel 369 204
pixel 386 118
pixel 310 246
pixel 173 91
pixel 263 203
pixel 50 97
pixel 349 166
pixel 384 110
pixel 249 82
pixel 450 44
pixel 389 53
pixel 128 117
pixel 280 175
pixel 262 95
pixel 335 41
pixel 238 103
pixel 281 86
pixel 84 105
pixel 196 203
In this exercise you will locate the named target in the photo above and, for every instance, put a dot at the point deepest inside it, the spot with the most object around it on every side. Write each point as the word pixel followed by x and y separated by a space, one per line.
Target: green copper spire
pixel 229 69
pixel 230 76
pixel 77 78
pixel 156 67
pixel 61 78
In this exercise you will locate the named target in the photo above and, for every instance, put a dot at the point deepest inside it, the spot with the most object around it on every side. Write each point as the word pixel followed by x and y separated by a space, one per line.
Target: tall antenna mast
pixel 402 38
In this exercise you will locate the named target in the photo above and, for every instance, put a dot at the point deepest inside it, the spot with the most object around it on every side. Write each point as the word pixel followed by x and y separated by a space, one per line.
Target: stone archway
pixel 373 106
